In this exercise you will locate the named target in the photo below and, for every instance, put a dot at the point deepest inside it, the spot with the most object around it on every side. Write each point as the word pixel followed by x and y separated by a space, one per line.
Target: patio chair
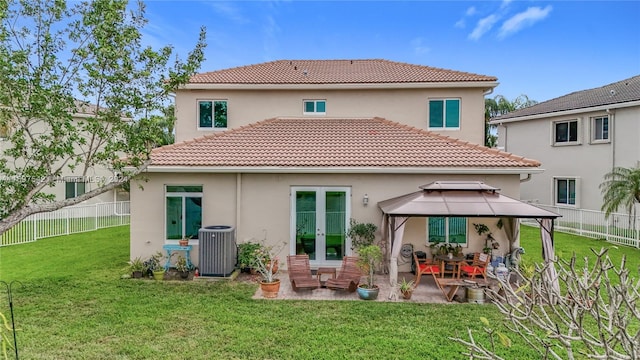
pixel 349 276
pixel 424 266
pixel 478 266
pixel 300 273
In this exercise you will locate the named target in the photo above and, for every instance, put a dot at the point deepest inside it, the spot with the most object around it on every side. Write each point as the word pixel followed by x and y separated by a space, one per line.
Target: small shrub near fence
pixel 618 228
pixel 69 220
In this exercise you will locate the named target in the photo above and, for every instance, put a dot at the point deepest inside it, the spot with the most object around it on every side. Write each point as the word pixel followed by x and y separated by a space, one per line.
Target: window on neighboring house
pixel 212 114
pixel 183 207
pixel 566 132
pixel 600 129
pixel 444 114
pixel 315 107
pixel 74 187
pixel 565 191
pixel 451 230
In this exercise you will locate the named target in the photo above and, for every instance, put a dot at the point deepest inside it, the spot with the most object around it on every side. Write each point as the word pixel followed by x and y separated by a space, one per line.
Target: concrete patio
pixel 425 292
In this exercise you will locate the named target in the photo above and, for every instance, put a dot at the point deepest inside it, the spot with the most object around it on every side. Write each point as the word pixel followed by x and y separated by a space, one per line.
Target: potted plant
pixel 184 241
pixel 136 267
pixel 406 288
pixel 490 242
pixel 182 267
pixel 153 266
pixel 361 234
pixel 265 262
pixel 246 254
pixel 370 256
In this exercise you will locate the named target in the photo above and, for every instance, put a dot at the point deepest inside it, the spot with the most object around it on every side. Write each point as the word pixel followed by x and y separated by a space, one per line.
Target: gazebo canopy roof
pixel 461 199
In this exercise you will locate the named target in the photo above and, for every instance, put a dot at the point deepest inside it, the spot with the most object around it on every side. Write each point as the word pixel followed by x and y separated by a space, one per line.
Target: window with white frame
pixel 565 132
pixel 212 114
pixel 566 190
pixel 450 230
pixel 600 129
pixel 444 114
pixel 74 187
pixel 183 209
pixel 314 107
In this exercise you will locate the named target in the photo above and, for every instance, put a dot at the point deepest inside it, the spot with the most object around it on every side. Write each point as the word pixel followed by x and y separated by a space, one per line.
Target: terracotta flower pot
pixel 270 290
pixel 183 242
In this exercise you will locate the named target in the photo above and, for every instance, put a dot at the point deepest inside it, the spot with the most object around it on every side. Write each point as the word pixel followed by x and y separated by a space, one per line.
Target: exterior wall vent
pixel 217 250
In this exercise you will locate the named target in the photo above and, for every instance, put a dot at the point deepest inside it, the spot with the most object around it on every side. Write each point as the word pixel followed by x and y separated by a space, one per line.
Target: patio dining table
pixel 454 263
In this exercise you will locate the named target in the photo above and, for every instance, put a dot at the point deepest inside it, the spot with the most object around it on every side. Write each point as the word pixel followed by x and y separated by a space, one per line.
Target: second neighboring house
pixel 72 183
pixel 578 138
pixel 289 151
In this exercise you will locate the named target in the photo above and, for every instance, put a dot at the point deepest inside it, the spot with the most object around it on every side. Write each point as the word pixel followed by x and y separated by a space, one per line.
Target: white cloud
pixel 524 19
pixel 485 24
pixel 419 47
pixel 229 10
pixel 505 3
pixel 471 11
pixel 460 24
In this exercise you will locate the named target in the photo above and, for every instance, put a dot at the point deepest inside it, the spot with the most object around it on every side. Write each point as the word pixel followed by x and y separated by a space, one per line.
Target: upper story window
pixel 444 114
pixel 565 132
pixel 314 107
pixel 600 129
pixel 212 114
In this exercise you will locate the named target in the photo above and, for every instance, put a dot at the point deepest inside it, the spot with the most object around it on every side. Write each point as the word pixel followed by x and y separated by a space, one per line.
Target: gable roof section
pixel 318 72
pixel 303 143
pixel 625 91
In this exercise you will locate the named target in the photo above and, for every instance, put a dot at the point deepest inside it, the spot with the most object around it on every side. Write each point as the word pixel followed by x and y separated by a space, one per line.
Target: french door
pixel 319 216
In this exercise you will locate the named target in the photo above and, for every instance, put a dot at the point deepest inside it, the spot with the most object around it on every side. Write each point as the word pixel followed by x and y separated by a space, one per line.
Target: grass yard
pixel 73 305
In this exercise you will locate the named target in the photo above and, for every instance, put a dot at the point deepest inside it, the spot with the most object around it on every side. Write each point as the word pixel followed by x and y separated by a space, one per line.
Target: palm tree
pixel 621 188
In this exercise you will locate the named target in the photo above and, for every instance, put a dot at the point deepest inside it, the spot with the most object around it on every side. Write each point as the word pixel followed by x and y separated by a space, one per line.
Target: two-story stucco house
pixel 578 138
pixel 289 151
pixel 73 181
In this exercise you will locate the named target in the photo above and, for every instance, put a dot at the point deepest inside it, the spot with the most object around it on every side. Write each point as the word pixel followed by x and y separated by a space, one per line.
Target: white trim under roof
pixel 567 112
pixel 396 85
pixel 342 170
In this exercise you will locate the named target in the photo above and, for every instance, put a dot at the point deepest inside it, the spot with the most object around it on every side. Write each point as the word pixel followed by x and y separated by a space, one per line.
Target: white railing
pixel 618 228
pixel 65 221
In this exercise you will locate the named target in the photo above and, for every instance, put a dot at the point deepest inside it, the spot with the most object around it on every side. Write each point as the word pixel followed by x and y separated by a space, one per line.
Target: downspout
pixel 526 179
pixel 238 201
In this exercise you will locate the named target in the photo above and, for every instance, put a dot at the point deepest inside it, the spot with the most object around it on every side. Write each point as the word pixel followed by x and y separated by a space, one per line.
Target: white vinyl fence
pixel 618 228
pixel 65 221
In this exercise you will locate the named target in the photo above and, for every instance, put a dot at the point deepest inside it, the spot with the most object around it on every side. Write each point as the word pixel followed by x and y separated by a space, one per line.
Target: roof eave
pixel 343 86
pixel 343 170
pixel 569 112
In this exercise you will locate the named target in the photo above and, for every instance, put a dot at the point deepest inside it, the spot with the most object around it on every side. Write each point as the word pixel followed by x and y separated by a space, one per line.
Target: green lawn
pixel 73 305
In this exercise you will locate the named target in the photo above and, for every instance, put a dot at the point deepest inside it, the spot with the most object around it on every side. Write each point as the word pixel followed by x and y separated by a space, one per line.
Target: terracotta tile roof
pixel 364 142
pixel 616 93
pixel 334 72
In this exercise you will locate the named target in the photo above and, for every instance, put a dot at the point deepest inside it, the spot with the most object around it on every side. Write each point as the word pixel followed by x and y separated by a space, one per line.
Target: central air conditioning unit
pixel 217 250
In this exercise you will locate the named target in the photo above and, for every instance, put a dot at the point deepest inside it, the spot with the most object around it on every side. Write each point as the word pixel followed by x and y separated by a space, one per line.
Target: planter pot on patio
pixel 407 294
pixel 158 274
pixel 137 275
pixel 368 294
pixel 270 290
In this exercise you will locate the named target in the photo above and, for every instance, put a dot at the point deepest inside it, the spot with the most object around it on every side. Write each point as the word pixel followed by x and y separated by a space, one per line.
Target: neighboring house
pixel 72 183
pixel 289 151
pixel 578 138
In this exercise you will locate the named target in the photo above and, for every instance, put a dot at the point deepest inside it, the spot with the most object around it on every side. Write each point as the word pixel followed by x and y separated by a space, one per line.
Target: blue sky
pixel 543 49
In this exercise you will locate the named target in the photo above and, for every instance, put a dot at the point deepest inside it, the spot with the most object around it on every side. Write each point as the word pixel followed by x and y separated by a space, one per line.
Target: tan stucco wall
pixel 407 106
pixel 587 161
pixel 264 204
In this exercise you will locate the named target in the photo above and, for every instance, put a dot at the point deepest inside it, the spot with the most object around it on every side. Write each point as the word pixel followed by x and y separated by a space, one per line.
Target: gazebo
pixel 461 199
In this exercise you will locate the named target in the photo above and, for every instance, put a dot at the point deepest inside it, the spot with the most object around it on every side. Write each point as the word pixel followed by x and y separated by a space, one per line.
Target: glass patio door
pixel 319 216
